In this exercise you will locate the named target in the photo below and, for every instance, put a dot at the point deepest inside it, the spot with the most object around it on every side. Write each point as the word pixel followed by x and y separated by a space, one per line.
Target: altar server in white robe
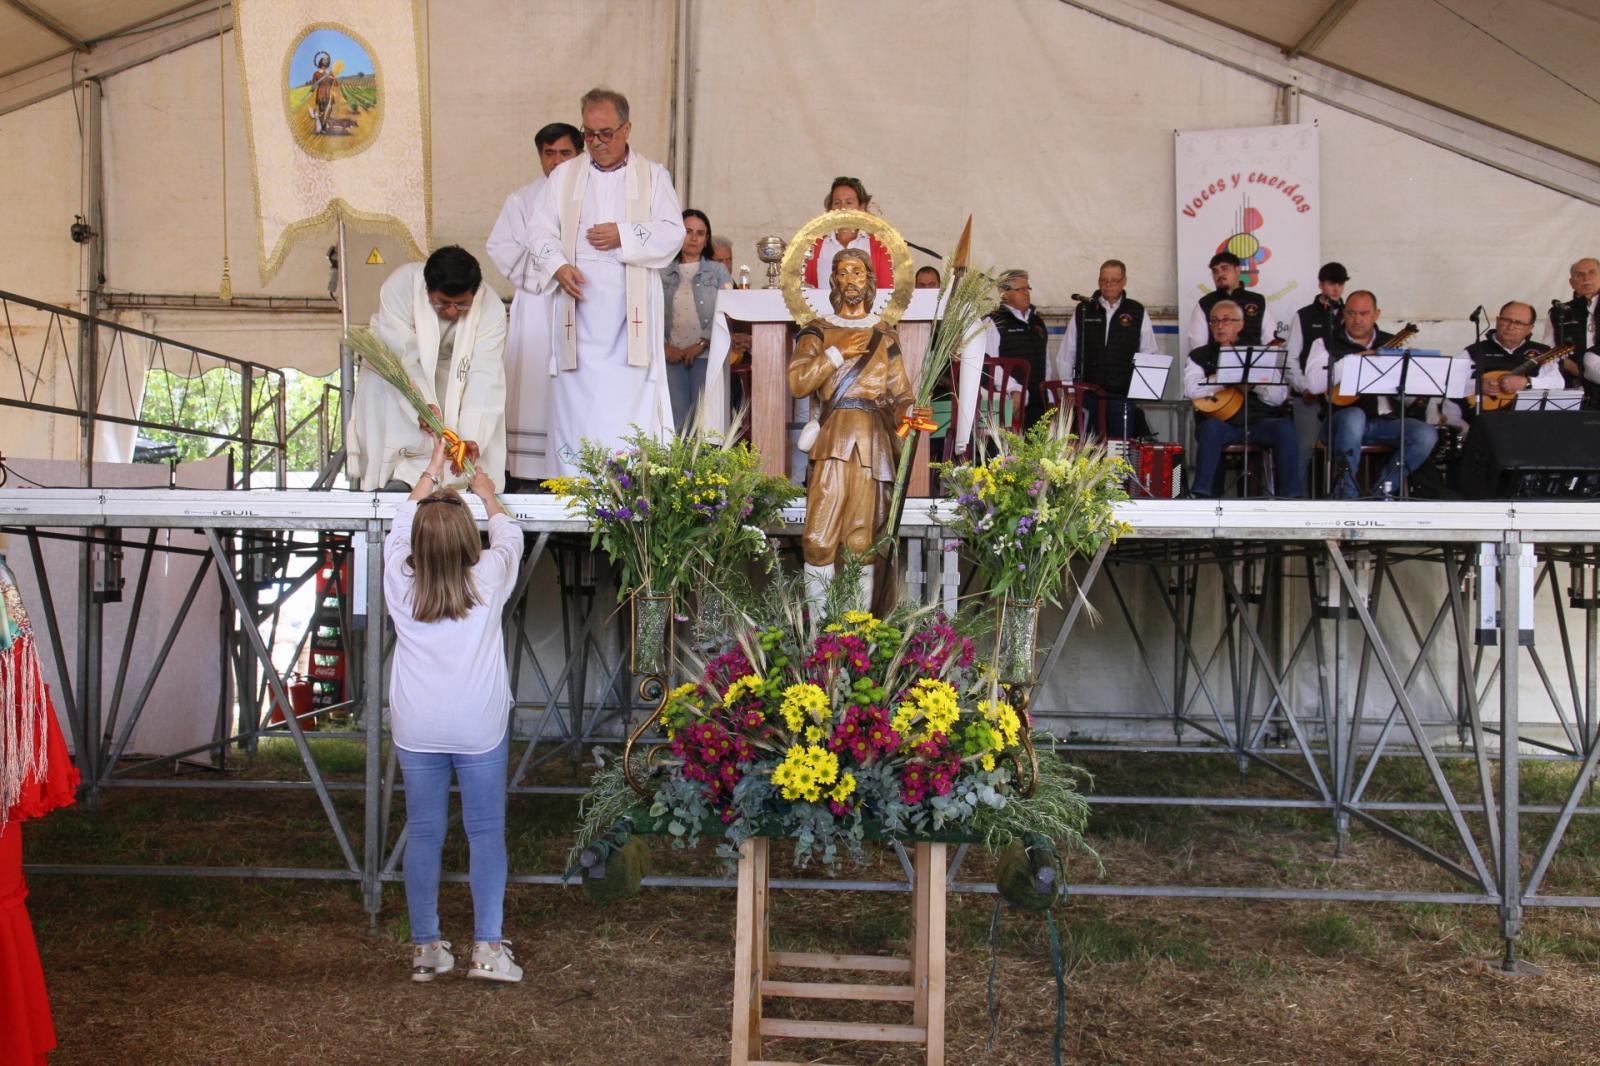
pixel 449 329
pixel 602 228
pixel 528 338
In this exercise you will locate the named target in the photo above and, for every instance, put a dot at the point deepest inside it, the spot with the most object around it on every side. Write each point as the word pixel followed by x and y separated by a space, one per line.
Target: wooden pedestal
pixel 752 962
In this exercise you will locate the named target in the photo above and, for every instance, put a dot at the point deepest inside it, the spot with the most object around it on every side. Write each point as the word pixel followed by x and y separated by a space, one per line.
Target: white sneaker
pixel 493 962
pixel 430 960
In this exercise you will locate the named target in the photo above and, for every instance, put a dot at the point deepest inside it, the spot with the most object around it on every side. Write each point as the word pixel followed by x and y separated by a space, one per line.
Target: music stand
pixel 1406 374
pixel 1247 367
pixel 1548 400
pixel 1150 370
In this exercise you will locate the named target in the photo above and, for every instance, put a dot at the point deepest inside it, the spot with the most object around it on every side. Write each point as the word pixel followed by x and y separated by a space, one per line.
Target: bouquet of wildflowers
pixel 665 510
pixel 819 735
pixel 1042 500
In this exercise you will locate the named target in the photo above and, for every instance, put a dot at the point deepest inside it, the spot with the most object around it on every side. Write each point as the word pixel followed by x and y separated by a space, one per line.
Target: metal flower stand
pixel 921 976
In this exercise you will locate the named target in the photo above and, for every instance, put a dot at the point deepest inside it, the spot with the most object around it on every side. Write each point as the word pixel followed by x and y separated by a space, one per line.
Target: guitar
pixel 1340 399
pixel 1229 400
pixel 1487 401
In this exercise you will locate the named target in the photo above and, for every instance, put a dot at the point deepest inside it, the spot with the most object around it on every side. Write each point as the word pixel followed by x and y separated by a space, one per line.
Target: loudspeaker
pixel 1532 454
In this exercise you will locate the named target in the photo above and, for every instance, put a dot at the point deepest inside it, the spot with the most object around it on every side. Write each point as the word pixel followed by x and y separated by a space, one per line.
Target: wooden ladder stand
pixel 753 961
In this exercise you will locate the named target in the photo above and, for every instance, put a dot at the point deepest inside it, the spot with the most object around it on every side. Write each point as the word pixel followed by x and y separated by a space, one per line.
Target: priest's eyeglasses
pixel 603 136
pixel 441 306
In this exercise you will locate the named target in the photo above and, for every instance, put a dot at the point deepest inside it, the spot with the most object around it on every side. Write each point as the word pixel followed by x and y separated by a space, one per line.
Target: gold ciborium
pixel 770 250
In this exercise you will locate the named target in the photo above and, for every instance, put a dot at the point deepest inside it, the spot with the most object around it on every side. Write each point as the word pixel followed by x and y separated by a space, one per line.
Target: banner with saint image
pixel 1252 191
pixel 335 103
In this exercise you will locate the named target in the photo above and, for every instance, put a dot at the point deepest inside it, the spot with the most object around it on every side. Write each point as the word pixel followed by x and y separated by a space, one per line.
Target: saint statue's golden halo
pixel 794 261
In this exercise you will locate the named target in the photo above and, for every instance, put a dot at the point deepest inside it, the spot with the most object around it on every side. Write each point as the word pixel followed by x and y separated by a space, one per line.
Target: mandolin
pixel 1487 401
pixel 1339 399
pixel 1229 399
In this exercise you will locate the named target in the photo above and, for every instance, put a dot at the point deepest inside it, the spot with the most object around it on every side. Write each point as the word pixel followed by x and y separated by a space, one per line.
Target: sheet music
pixel 1549 400
pixel 1150 371
pixel 1260 366
pixel 1422 373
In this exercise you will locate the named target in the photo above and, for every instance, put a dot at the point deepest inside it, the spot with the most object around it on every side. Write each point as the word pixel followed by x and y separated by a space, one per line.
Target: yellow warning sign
pixel 374 258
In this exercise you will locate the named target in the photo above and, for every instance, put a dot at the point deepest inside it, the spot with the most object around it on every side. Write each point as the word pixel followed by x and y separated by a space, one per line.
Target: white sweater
pixel 448 686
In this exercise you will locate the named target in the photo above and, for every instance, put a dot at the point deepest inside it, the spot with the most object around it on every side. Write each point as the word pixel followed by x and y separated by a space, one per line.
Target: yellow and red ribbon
pixel 915 421
pixel 454 447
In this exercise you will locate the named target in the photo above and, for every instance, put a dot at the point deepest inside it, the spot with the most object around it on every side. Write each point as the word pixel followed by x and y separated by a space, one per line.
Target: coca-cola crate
pixel 326 693
pixel 327 665
pixel 327 637
pixel 331 578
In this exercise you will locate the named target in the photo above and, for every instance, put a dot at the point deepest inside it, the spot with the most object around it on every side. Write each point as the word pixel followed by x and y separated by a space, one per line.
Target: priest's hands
pixel 604 236
pixel 571 280
pixel 424 422
pixel 472 456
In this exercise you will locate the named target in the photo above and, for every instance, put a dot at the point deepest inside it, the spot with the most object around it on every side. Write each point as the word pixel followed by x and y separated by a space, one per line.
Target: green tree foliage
pixel 209 403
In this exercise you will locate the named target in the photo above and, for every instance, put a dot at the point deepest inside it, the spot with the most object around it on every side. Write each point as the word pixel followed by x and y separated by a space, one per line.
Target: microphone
pixel 1086 299
pixel 1477 314
pixel 1558 311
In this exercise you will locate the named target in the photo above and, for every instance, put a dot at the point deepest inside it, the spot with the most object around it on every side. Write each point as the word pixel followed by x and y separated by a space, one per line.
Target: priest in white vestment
pixel 528 338
pixel 449 329
pixel 602 228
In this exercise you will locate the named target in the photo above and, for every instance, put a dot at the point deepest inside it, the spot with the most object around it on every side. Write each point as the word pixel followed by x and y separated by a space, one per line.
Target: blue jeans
pixel 684 385
pixel 483 811
pixel 1211 435
pixel 1352 428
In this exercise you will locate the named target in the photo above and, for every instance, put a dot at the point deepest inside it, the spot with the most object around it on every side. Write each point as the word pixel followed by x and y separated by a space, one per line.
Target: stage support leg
pixel 1511 577
pixel 372 719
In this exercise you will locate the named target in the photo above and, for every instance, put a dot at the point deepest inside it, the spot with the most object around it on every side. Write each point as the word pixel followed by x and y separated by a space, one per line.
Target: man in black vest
pixel 1506 348
pixel 1371 419
pixel 1573 322
pixel 1016 331
pixel 1262 418
pixel 1317 320
pixel 1225 276
pixel 1104 333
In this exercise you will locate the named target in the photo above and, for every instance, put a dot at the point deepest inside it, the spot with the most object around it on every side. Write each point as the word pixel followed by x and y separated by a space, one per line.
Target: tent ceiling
pixel 1512 64
pixel 1524 66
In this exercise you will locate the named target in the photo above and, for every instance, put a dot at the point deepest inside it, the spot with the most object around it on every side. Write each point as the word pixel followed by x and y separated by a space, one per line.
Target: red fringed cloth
pixel 36 776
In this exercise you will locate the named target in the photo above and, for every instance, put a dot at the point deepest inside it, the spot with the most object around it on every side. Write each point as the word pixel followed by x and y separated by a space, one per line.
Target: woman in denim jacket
pixel 688 314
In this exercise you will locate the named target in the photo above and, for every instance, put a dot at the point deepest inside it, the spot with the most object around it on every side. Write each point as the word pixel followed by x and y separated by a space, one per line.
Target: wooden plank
pixel 838 990
pixel 815 960
pixel 914 338
pixel 934 874
pixel 746 1001
pixel 763 864
pixel 920 892
pixel 866 1031
pixel 769 399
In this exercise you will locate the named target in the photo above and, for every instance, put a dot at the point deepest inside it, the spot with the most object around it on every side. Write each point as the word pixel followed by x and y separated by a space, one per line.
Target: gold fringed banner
pixel 335 104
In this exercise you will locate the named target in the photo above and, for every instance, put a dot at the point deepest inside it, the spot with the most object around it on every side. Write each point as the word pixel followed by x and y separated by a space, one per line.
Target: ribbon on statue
pixel 915 421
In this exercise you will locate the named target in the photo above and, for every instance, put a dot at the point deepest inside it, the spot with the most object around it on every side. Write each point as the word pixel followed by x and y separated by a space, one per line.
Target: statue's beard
pixel 853 294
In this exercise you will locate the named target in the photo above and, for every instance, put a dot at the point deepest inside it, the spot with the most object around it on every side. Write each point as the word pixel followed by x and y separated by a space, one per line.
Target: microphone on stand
pixel 1086 299
pixel 1477 316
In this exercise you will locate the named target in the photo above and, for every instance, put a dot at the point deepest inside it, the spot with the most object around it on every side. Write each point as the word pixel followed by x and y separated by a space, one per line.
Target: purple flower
pixel 604 514
pixel 642 505
pixel 1024 524
pixel 625 481
pixel 951 545
pixel 622 514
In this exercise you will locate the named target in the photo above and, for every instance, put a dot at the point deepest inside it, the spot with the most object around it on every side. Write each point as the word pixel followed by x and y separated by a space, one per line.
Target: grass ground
pixel 169 970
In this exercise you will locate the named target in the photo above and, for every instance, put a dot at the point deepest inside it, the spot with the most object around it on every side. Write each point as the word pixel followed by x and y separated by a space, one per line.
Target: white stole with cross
pixel 637 179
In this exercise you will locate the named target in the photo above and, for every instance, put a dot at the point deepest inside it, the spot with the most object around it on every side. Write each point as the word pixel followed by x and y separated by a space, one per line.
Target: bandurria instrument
pixel 1488 401
pixel 1341 399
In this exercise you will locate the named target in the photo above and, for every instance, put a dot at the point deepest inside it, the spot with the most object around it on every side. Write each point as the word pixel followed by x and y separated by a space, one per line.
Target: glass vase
pixel 652 633
pixel 713 623
pixel 1016 640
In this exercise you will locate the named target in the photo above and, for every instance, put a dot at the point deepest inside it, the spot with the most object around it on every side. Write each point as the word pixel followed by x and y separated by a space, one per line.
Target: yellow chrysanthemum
pixel 805 772
pixel 804 704
pixel 742 688
pixel 844 789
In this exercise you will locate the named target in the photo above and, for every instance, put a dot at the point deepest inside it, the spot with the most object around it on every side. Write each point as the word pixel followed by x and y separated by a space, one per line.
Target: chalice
pixel 770 250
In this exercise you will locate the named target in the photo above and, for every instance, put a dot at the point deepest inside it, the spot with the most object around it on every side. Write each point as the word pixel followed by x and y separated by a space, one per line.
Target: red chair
pixel 1071 394
pixel 1004 380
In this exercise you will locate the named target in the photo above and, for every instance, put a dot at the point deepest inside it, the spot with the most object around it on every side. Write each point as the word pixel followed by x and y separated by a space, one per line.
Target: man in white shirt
pixel 602 229
pixel 1371 419
pixel 1573 322
pixel 1260 419
pixel 1508 347
pixel 528 336
pixel 1016 330
pixel 1103 335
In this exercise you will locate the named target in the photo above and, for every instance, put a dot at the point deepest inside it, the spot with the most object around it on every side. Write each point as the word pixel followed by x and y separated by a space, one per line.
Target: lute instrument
pixel 1229 400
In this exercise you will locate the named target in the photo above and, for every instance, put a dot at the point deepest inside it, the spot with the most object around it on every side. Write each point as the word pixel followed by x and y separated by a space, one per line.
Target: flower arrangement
pixel 887 726
pixel 1043 499
pixel 667 510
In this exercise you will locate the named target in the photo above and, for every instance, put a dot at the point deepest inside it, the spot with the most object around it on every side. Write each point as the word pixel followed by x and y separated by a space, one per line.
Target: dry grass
pixel 188 971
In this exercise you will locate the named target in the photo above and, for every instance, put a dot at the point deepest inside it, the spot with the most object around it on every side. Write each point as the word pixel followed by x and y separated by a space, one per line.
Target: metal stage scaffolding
pixel 1292 643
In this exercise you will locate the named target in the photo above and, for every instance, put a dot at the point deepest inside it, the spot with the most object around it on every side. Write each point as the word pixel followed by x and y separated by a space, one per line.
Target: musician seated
pixel 1500 361
pixel 1369 419
pixel 1263 414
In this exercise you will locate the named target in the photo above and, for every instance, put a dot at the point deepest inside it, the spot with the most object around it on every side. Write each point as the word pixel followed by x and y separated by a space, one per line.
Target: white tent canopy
pixel 1051 122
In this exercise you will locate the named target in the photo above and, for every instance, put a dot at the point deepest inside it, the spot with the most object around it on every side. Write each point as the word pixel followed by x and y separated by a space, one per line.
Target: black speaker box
pixel 1532 454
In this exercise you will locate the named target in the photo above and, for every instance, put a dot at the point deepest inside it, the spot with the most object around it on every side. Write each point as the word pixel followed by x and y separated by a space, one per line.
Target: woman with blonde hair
pixel 450 704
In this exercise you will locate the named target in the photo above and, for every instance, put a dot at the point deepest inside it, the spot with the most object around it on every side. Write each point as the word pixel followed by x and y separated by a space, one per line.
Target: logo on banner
pixel 332 92
pixel 1244 243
